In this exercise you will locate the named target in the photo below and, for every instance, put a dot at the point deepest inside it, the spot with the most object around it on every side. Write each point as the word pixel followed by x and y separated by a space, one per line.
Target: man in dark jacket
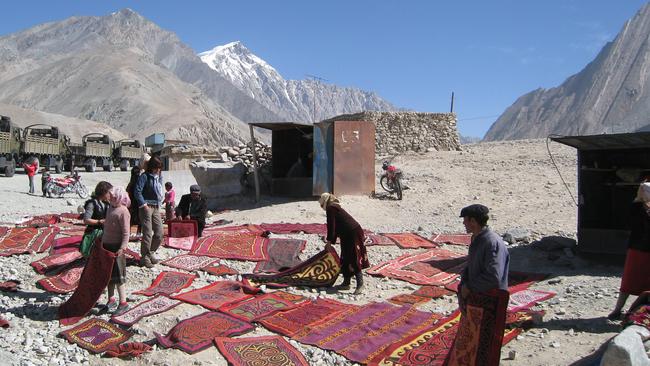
pixel 193 206
pixel 488 259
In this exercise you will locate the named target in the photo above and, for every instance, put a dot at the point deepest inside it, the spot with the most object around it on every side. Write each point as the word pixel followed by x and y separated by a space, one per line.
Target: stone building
pixel 399 132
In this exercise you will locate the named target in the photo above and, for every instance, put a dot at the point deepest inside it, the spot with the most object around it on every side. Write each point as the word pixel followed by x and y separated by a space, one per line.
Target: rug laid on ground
pixel 189 262
pixel 247 228
pixel 267 351
pixel 320 270
pixel 26 240
pixel 217 294
pixel 300 319
pixel 66 244
pixel 128 350
pixel 408 299
pixel 55 261
pixel 96 335
pixel 232 245
pixel 526 298
pixel 361 333
pixel 167 283
pixel 410 240
pixel 9 286
pixel 378 239
pixel 284 295
pixel 283 228
pixel 93 281
pixel 220 270
pixel 282 255
pixel 432 292
pixel 453 239
pixel 155 305
pixel 516 281
pixel 258 307
pixel 181 234
pixel 65 281
pixel 197 333
pixel 41 221
pixel 435 267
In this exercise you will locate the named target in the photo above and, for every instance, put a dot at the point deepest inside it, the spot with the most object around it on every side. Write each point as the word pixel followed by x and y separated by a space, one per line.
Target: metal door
pixel 354 157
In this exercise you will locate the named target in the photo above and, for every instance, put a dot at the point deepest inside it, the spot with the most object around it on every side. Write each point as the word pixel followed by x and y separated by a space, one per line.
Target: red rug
pixel 378 239
pixel 232 245
pixel 181 234
pixel 66 244
pixel 220 270
pixel 300 319
pixel 361 333
pixel 72 230
pixel 26 240
pixel 167 283
pixel 132 257
pixel 409 299
pixel 453 239
pixel 93 281
pixel 320 270
pixel 189 262
pixel 41 221
pixel 9 286
pixel 128 351
pixel 432 292
pixel 282 254
pixel 527 298
pixel 267 351
pixel 214 230
pixel 65 281
pixel 217 294
pixel 284 295
pixel 410 240
pixel 283 228
pixel 639 315
pixel 258 307
pixel 197 333
pixel 516 281
pixel 55 261
pixel 96 335
pixel 155 305
pixel 435 267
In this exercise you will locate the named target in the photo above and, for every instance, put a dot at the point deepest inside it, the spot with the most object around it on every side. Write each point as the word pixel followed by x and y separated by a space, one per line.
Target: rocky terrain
pixel 515 179
pixel 610 95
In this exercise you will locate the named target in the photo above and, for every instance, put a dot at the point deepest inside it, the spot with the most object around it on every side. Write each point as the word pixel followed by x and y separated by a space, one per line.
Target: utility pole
pixel 452 103
pixel 315 79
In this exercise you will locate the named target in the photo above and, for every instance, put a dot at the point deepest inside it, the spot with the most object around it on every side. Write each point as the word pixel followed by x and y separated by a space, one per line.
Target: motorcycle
pixel 55 186
pixel 391 180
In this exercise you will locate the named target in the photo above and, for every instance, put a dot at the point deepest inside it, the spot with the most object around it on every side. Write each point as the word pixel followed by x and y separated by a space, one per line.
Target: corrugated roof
pixel 277 126
pixel 617 141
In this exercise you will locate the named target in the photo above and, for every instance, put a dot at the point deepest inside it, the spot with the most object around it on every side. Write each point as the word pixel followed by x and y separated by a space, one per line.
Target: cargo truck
pixel 95 149
pixel 127 153
pixel 45 143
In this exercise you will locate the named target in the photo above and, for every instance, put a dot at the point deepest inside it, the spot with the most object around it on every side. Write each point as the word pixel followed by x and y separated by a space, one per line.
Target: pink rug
pixel 217 294
pixel 435 267
pixel 149 307
pixel 527 298
pixel 189 262
pixel 181 234
pixel 66 244
pixel 167 283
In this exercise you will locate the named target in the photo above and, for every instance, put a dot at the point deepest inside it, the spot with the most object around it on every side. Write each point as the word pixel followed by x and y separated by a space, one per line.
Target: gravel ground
pixel 515 179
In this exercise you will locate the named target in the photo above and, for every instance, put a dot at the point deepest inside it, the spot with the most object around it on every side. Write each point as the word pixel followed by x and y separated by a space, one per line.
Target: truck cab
pixel 10 136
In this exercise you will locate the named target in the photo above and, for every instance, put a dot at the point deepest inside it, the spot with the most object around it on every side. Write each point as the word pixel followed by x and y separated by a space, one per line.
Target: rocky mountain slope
pixel 126 71
pixel 611 94
pixel 292 100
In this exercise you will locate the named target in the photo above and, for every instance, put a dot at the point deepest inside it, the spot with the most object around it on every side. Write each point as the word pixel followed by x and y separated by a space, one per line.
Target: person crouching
pixel 193 206
pixel 353 252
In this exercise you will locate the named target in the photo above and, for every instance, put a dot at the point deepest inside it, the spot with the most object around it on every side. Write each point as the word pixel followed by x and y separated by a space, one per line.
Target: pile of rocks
pixel 244 154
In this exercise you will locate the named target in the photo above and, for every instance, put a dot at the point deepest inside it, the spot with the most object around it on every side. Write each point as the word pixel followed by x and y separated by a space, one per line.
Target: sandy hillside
pixel 515 179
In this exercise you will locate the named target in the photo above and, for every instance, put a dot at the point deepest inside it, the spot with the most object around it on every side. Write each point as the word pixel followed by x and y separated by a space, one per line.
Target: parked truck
pixel 45 143
pixel 95 149
pixel 10 136
pixel 127 153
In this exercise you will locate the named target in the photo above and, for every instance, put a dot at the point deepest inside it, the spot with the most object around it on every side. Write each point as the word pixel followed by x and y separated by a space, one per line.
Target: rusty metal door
pixel 354 157
pixel 322 162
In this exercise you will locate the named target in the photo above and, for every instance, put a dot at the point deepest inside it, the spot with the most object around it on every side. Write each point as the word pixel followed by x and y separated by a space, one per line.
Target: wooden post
pixel 257 180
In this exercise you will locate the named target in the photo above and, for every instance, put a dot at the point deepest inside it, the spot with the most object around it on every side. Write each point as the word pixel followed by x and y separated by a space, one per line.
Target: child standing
pixel 169 201
pixel 30 170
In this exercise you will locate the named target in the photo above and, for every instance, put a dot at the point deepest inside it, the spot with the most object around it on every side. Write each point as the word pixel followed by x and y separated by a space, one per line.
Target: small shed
pixel 310 159
pixel 609 170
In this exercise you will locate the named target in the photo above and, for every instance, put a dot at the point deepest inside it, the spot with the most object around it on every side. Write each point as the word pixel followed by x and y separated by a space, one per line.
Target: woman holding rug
pixel 636 272
pixel 353 252
pixel 115 239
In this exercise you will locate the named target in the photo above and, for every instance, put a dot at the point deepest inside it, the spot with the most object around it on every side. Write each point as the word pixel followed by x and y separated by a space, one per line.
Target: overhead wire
pixel 548 148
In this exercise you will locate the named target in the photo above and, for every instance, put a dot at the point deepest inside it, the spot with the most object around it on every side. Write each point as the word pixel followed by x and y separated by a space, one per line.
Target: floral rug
pixel 155 305
pixel 167 283
pixel 96 335
pixel 267 351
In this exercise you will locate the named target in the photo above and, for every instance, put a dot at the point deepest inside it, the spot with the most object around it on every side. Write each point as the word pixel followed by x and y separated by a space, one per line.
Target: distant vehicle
pixel 96 149
pixel 10 137
pixel 45 143
pixel 127 153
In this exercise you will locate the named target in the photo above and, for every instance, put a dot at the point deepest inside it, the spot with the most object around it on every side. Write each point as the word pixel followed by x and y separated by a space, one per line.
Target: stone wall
pixel 398 132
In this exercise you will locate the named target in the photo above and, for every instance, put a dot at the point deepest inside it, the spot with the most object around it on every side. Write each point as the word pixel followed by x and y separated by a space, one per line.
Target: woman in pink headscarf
pixel 117 227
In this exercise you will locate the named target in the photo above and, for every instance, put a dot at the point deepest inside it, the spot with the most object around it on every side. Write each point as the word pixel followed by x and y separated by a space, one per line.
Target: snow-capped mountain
pixel 293 100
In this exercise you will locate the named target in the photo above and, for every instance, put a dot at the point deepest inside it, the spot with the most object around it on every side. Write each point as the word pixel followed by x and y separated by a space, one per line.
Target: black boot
pixel 359 277
pixel 346 283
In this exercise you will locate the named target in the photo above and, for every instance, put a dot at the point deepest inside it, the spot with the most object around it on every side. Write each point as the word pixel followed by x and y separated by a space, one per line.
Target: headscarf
pixel 119 197
pixel 327 199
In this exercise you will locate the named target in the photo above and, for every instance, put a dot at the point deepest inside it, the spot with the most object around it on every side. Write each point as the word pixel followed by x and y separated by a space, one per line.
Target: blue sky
pixel 412 53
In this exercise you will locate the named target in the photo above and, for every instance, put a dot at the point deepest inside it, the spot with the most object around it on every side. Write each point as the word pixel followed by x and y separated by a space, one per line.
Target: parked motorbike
pixel 391 180
pixel 56 186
